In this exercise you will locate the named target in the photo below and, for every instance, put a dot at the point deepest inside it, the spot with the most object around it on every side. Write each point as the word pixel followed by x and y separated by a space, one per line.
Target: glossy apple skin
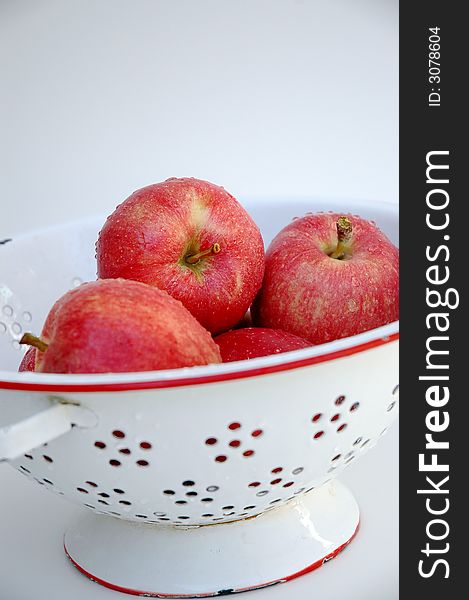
pixel 116 325
pixel 310 294
pixel 252 342
pixel 149 235
pixel 29 361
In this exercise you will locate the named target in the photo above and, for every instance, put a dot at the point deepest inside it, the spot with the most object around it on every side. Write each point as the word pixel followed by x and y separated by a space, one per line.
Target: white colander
pixel 173 466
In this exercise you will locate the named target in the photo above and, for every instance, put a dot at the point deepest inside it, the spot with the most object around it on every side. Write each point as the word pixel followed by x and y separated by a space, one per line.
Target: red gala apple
pixel 116 325
pixel 251 342
pixel 192 239
pixel 329 276
pixel 29 360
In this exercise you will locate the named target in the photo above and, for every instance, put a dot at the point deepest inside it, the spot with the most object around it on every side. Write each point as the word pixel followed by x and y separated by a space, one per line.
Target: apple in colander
pixel 192 239
pixel 252 342
pixel 117 325
pixel 329 276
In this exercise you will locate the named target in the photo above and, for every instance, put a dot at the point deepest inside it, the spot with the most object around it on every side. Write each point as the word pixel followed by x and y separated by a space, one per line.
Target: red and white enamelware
pixel 197 481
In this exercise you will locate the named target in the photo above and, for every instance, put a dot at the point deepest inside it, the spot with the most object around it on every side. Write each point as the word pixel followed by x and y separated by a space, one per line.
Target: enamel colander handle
pixel 35 430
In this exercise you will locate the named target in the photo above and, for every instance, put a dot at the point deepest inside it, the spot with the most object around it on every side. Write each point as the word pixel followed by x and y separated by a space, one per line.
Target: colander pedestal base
pixel 159 561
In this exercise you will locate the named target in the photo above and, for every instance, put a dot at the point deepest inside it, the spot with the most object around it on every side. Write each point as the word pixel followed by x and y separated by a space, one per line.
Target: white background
pixel 269 98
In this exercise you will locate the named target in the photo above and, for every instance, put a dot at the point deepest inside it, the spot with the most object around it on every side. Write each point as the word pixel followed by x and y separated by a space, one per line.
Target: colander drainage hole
pixel 220 458
pixel 181 502
pixel 29 456
pixel 229 507
pixel 316 417
pixel 288 484
pixel 255 484
pixel 47 458
pixel 357 441
pixel 318 434
pixel 248 453
pixel 275 501
pixel 335 417
pixel 90 506
pixel 249 507
pixel 117 433
pixel 141 516
pixel 92 483
pixel 340 400
pixel 100 445
pixel 391 406
pixel 257 432
pixel 183 517
pixel 207 500
pixel 145 445
pixel 235 443
pixel 188 483
pixel 213 488
pixel 82 490
pixel 118 491
pixel 103 495
pixel 336 457
pixel 25 469
pixel 125 502
pixel 211 441
pixel 114 462
pixel 342 427
pixel 262 493
pixel 191 494
pixel 126 451
pixel 297 471
pixel 169 492
pixel 234 425
pixel 208 515
pixel 142 463
pixel 104 502
pixel 277 470
pixel 354 406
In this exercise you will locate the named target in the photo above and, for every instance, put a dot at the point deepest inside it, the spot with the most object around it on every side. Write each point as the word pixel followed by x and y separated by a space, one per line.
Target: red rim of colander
pixel 196 380
pixel 135 592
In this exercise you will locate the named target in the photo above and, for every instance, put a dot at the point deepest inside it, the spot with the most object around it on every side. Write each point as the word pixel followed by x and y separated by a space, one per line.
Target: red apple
pixel 329 276
pixel 251 342
pixel 29 360
pixel 192 239
pixel 116 325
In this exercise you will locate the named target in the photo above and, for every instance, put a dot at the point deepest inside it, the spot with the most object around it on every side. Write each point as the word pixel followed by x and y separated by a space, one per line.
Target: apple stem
pixel 344 233
pixel 31 340
pixel 194 258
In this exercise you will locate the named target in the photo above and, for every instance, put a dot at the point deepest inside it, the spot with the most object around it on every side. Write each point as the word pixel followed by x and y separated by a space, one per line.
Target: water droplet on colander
pixel 27 316
pixel 7 310
pixel 76 281
pixel 16 328
pixel 3 328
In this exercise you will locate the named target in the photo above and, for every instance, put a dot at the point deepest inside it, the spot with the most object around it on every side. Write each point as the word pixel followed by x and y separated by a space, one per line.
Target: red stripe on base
pixel 118 588
pixel 169 383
